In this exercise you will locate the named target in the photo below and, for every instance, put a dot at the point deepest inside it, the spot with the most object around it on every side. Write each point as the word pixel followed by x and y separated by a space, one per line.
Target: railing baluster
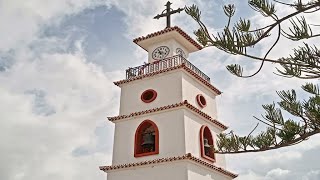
pixel 164 64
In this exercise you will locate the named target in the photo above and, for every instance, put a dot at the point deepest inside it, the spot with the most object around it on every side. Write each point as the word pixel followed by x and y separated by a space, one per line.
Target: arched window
pixel 206 144
pixel 146 139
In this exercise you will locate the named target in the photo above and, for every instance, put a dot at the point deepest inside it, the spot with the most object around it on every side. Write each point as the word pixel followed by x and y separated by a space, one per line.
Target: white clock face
pixel 180 52
pixel 160 52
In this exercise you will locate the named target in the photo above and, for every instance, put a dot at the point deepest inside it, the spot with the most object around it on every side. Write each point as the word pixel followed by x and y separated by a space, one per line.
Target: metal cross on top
pixel 167 13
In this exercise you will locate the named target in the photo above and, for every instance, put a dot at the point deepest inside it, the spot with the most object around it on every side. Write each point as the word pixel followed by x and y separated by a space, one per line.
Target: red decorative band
pixel 175 28
pixel 170 159
pixel 181 104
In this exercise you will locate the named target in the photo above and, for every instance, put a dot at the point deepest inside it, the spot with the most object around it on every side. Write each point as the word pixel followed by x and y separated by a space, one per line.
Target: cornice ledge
pixel 188 156
pixel 208 84
pixel 185 103
pixel 175 28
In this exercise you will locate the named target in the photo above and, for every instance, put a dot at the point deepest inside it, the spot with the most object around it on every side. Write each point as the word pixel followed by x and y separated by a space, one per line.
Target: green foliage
pixel 263 6
pixel 273 115
pixel 290 130
pixel 194 12
pixel 299 30
pixel 243 25
pixel 237 38
pixel 286 132
pixel 229 10
pixel 235 69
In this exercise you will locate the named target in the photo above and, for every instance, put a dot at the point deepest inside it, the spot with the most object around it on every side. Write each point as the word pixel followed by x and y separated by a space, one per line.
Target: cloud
pixel 55 96
pixel 80 94
pixel 277 173
pixel 22 20
pixel 312 175
pixel 285 157
pixel 53 99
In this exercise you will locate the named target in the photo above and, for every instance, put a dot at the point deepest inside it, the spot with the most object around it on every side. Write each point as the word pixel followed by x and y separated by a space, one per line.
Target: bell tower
pixel 167 124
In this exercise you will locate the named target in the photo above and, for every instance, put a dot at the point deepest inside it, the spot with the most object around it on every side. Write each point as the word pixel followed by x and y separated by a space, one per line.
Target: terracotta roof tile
pixel 170 159
pixel 175 28
pixel 181 104
pixel 183 66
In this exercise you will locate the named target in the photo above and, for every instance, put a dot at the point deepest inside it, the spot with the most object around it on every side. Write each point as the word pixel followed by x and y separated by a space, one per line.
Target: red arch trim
pixel 138 139
pixel 205 132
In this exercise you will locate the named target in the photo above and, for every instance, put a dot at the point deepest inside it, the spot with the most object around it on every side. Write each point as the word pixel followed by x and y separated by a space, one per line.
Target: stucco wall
pixel 178 134
pixel 172 87
pixel 180 170
pixel 168 87
pixel 196 172
pixel 171 137
pixel 165 171
pixel 171 43
pixel 191 88
pixel 193 124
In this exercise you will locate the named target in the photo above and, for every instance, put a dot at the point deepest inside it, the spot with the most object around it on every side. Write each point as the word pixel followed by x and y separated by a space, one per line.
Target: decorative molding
pixel 170 159
pixel 175 28
pixel 182 66
pixel 181 104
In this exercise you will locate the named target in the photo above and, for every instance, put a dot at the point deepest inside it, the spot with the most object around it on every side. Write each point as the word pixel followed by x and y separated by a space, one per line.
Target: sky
pixel 58 62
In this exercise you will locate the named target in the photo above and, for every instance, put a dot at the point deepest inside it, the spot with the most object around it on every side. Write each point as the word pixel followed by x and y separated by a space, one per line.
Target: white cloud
pixel 277 174
pixel 37 142
pixel 250 176
pixel 80 95
pixel 41 146
pixel 312 175
pixel 275 156
pixel 22 20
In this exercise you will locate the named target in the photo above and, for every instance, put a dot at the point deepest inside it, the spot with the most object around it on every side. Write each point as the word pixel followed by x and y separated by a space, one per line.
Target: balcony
pixel 157 66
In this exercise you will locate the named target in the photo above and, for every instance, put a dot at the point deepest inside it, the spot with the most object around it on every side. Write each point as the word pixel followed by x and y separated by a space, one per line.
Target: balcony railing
pixel 163 64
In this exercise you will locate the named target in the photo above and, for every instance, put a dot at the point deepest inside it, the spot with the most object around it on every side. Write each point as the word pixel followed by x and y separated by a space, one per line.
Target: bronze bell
pixel 206 143
pixel 207 146
pixel 148 140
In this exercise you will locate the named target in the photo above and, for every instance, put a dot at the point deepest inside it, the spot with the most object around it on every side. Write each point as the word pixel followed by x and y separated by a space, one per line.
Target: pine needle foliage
pixel 237 38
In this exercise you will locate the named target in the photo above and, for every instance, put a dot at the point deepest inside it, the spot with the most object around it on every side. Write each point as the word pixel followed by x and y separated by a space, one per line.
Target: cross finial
pixel 167 13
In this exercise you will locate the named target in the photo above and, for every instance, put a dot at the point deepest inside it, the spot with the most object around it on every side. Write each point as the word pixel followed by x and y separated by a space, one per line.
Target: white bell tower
pixel 168 117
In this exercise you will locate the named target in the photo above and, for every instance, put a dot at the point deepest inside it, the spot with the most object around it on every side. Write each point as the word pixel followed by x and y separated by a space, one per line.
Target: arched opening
pixel 206 144
pixel 146 139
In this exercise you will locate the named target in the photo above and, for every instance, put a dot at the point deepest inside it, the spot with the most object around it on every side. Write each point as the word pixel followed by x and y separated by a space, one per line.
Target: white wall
pixel 171 43
pixel 172 87
pixel 168 87
pixel 178 135
pixel 193 123
pixel 171 137
pixel 196 172
pixel 165 171
pixel 178 170
pixel 192 87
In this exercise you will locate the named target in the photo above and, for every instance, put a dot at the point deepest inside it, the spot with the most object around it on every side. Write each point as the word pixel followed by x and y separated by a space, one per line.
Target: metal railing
pixel 163 64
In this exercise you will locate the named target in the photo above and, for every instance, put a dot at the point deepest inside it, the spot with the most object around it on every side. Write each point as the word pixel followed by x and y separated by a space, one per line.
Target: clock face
pixel 180 52
pixel 160 52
